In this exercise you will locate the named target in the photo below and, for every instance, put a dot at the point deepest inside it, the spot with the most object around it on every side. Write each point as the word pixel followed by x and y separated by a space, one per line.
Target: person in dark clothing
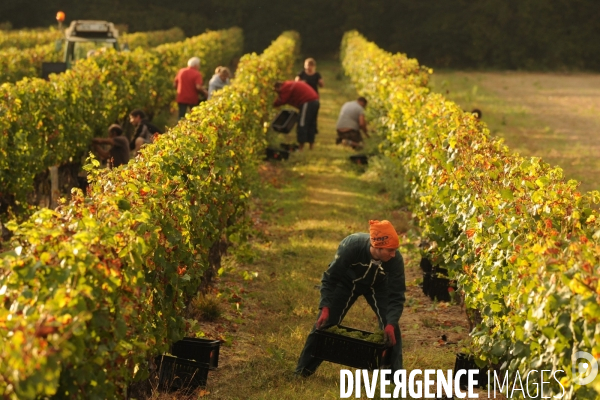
pixel 369 265
pixel 304 98
pixel 310 75
pixel 314 79
pixel 119 146
pixel 144 130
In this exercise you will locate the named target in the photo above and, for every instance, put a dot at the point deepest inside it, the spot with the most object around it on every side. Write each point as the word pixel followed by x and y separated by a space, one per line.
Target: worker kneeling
pixel 351 122
pixel 369 265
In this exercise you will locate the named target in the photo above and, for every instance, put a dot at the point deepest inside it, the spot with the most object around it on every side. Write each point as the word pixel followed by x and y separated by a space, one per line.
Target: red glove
pixel 389 335
pixel 323 317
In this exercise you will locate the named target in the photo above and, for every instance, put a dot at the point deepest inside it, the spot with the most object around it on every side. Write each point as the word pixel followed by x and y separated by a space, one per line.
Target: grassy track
pixel 306 206
pixel 553 116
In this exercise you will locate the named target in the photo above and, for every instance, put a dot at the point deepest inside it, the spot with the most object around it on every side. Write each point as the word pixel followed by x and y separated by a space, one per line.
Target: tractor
pixel 82 38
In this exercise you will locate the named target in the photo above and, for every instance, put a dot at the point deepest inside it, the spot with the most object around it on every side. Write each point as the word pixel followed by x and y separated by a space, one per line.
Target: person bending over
pixel 369 265
pixel 351 122
pixel 144 130
pixel 119 146
pixel 306 100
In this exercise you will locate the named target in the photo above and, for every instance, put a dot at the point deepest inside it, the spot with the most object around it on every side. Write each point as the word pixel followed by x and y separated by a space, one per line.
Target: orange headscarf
pixel 383 235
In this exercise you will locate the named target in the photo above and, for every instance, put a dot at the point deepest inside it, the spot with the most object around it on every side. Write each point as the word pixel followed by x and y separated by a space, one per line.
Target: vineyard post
pixel 54 192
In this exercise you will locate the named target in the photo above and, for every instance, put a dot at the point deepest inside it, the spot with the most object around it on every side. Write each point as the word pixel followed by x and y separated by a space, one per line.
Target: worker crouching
pixel 369 265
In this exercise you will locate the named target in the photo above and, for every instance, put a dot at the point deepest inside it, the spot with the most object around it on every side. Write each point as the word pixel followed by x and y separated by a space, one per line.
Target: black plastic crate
pixel 467 362
pixel 360 159
pixel 198 349
pixel 439 288
pixel 284 121
pixel 437 285
pixel 52 68
pixel 351 352
pixel 277 154
pixel 82 183
pixel 289 146
pixel 176 373
pixel 426 265
pixel 427 283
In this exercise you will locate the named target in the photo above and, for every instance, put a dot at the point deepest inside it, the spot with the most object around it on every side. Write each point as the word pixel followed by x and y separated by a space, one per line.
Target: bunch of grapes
pixel 376 337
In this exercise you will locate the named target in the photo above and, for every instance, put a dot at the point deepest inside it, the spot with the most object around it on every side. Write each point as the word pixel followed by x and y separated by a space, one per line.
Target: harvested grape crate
pixel 180 374
pixel 351 351
pixel 285 121
pixel 466 362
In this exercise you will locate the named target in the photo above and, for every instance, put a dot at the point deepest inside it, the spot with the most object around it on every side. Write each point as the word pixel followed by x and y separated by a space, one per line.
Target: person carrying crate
pixel 304 98
pixel 369 265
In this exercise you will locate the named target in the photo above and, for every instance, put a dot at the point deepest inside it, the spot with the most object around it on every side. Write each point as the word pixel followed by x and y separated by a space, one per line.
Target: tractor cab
pixel 82 39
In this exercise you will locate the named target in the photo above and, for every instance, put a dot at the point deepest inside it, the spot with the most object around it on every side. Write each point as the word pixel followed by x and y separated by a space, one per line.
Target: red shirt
pixel 186 81
pixel 295 94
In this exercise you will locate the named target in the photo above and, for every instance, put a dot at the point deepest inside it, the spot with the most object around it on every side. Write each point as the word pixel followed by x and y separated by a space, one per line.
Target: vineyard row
pixel 21 61
pixel 95 289
pixel 522 241
pixel 46 123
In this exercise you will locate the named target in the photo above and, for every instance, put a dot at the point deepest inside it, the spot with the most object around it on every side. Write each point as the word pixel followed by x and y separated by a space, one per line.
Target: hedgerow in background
pixel 26 38
pixel 147 40
pixel 25 58
pixel 96 288
pixel 45 123
pixel 522 242
pixel 553 34
pixel 16 63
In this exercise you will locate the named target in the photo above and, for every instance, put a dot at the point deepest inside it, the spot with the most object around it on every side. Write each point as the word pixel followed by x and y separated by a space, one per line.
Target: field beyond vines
pixel 550 115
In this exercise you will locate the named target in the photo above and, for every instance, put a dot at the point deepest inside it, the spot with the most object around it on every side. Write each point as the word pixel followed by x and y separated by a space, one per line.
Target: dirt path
pixel 554 116
pixel 304 208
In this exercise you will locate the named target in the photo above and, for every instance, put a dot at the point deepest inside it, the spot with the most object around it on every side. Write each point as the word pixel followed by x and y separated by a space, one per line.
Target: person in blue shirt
pixel 219 80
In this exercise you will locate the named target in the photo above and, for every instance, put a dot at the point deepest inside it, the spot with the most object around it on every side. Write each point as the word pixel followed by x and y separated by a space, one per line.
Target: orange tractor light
pixel 60 16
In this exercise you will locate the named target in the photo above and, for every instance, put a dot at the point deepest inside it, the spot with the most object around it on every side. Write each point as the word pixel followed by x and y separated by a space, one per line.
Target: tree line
pixel 507 34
